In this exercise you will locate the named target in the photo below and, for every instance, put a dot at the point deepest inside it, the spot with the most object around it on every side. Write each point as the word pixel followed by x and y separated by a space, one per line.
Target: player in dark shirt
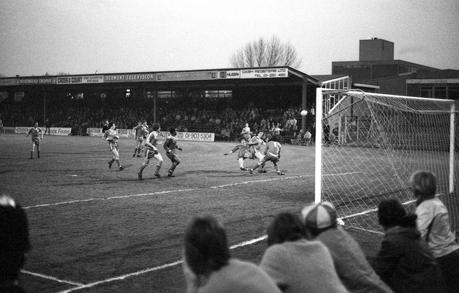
pixel 141 133
pixel 170 145
pixel 105 127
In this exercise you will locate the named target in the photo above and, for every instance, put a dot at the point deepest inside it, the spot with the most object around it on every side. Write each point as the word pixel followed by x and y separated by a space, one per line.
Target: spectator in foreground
pixel 14 244
pixel 433 224
pixel 352 267
pixel 208 266
pixel 296 264
pixel 404 260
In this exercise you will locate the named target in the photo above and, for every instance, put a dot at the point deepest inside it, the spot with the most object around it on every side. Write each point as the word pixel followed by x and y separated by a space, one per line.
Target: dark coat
pixel 406 264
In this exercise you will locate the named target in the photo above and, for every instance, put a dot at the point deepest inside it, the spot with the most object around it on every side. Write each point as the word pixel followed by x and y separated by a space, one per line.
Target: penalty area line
pixel 157 268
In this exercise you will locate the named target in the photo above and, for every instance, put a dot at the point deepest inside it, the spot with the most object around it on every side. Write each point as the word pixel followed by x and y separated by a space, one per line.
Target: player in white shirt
pixel 111 136
pixel 151 145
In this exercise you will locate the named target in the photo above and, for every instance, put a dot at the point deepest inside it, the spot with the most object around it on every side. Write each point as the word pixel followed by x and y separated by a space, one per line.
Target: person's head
pixel 139 123
pixel 247 125
pixel 173 132
pixel 391 213
pixel 106 122
pixel 111 125
pixel 35 124
pixel 260 134
pixel 14 238
pixel 318 218
pixel 155 127
pixel 285 227
pixel 423 184
pixel 206 245
pixel 269 137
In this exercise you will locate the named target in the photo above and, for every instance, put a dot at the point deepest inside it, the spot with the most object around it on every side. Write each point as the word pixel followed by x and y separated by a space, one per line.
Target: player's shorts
pixel 173 157
pixel 36 141
pixel 113 145
pixel 139 138
pixel 270 157
pixel 151 153
pixel 259 155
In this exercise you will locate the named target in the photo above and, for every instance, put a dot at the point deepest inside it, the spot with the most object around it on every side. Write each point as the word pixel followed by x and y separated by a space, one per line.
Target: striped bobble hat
pixel 319 216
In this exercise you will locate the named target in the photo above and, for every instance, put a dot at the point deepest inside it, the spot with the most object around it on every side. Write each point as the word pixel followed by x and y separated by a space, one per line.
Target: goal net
pixel 368 145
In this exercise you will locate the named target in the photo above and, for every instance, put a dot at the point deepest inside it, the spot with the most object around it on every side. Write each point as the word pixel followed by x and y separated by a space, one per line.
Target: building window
pixel 218 94
pixel 440 92
pixel 166 94
pixel 426 92
pixel 453 93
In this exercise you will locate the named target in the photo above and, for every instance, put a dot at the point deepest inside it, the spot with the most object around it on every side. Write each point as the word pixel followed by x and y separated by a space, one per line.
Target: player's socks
pixel 110 163
pixel 118 163
pixel 31 155
pixel 241 164
pixel 139 176
pixel 38 154
pixel 157 171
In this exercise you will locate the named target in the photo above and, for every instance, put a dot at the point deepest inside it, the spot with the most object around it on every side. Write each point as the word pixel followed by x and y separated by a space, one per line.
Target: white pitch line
pixel 177 190
pixel 172 264
pixel 51 278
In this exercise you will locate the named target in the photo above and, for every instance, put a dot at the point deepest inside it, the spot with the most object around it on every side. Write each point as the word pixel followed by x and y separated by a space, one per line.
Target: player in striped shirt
pixel 170 145
pixel 36 135
pixel 111 136
pixel 272 153
pixel 152 152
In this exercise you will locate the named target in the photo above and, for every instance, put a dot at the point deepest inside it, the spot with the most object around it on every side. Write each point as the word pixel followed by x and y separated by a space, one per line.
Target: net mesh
pixel 371 146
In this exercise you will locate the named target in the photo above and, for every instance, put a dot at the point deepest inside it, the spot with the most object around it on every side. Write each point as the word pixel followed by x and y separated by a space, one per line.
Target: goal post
pixel 368 145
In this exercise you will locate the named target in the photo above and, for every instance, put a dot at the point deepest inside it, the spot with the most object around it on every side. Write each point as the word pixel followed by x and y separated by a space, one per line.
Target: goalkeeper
pixel 170 145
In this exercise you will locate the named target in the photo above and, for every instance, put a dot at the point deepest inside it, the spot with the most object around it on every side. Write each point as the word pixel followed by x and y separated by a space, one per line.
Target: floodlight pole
pixel 452 140
pixel 318 143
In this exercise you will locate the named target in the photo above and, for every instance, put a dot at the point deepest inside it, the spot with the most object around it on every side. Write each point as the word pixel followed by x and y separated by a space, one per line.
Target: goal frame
pixel 319 134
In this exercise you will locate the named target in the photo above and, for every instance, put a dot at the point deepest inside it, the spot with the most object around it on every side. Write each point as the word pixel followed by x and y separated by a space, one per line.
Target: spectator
pixel 47 127
pixel 209 268
pixel 433 224
pixel 405 262
pixel 14 243
pixel 296 264
pixel 351 264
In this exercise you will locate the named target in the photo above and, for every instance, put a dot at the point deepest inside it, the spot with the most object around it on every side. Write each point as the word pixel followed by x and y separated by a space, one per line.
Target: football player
pixel 36 135
pixel 272 153
pixel 141 132
pixel 152 152
pixel 170 145
pixel 111 136
pixel 243 152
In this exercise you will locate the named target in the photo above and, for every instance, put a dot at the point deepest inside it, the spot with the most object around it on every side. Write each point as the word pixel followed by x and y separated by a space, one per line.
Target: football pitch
pixel 95 229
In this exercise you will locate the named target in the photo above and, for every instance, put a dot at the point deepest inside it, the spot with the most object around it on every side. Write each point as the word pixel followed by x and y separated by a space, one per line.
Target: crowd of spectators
pixel 201 115
pixel 307 252
pixel 311 252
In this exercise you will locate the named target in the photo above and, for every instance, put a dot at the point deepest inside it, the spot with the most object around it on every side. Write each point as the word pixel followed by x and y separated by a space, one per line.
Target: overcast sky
pixel 82 36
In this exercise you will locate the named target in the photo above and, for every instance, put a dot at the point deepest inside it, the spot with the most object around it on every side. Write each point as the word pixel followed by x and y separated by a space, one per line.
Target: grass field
pixel 95 229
